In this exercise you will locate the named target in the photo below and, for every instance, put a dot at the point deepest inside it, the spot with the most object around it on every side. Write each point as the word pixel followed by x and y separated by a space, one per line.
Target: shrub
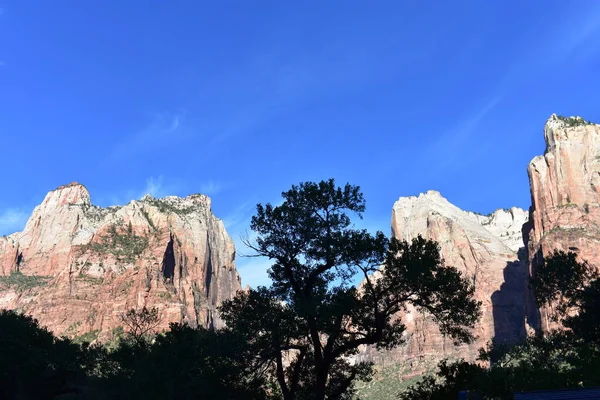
pixel 23 282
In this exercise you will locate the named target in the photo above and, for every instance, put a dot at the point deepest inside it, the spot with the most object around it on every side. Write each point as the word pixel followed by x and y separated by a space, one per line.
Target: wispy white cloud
pixel 155 187
pixel 239 215
pixel 163 127
pixel 451 146
pixel 575 35
pixel 211 188
pixel 571 39
pixel 12 220
pixel 174 124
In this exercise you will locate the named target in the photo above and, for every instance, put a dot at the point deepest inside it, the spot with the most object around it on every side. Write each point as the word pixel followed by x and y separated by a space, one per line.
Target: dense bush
pixel 566 358
pixel 183 363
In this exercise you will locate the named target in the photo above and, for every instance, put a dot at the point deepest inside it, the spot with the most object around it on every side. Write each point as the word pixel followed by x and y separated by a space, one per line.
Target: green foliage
pixel 184 363
pixel 90 279
pixel 556 361
pixel 87 337
pixel 165 295
pixel 118 331
pixel 72 329
pixel 573 288
pixel 35 364
pixel 560 280
pixel 22 282
pixel 585 324
pixel 573 121
pixel 116 337
pixel 147 216
pixel 166 206
pixel 313 316
pixel 568 205
pixel 124 244
pixel 387 382
pixel 560 359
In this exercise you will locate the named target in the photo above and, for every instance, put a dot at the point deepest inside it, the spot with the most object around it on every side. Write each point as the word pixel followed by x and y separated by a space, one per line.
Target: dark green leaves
pixel 312 318
pixel 560 280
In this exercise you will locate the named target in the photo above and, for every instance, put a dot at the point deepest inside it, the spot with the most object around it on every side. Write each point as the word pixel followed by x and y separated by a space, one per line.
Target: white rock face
pixel 412 216
pixel 506 225
pixel 485 249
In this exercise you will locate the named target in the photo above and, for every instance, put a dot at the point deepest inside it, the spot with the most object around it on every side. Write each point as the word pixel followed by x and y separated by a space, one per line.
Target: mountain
pixel 77 267
pixel 565 194
pixel 488 250
pixel 500 251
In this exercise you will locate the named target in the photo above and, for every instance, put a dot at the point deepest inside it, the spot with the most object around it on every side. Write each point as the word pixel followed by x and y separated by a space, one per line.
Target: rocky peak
pixel 503 225
pixel 560 129
pixel 94 263
pixel 564 215
pixel 72 194
pixel 565 192
pixel 506 224
pixel 567 176
pixel 485 248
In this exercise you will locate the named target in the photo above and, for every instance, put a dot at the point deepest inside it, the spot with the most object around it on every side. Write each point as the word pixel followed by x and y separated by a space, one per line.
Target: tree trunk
pixel 321 383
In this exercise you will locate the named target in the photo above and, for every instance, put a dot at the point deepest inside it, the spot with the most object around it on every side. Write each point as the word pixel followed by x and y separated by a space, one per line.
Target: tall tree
pixel 560 282
pixel 572 288
pixel 312 320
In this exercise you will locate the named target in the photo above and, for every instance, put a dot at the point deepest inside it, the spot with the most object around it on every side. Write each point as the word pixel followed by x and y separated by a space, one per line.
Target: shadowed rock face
pixel 85 265
pixel 565 194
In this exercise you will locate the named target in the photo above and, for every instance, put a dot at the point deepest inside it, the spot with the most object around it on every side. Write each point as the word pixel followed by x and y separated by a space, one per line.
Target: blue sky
pixel 239 100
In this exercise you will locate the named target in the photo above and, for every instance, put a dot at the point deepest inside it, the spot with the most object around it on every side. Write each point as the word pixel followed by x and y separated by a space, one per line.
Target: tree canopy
pixel 34 364
pixel 296 339
pixel 311 321
pixel 564 358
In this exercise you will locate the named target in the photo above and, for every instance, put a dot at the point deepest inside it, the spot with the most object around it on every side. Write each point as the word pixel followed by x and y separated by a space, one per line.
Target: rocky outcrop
pixel 488 249
pixel 565 194
pixel 77 267
pixel 501 250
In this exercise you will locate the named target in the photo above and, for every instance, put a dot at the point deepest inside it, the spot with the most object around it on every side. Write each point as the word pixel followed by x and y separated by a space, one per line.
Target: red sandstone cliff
pixel 486 250
pixel 77 267
pixel 564 215
pixel 565 193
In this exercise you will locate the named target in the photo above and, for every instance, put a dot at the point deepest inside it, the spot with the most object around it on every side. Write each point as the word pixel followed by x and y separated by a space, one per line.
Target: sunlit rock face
pixel 501 250
pixel 565 194
pixel 488 250
pixel 84 265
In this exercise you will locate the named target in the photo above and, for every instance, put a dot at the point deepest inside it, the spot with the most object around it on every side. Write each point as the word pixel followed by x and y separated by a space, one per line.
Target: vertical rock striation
pixel 488 250
pixel 565 194
pixel 77 267
pixel 501 250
